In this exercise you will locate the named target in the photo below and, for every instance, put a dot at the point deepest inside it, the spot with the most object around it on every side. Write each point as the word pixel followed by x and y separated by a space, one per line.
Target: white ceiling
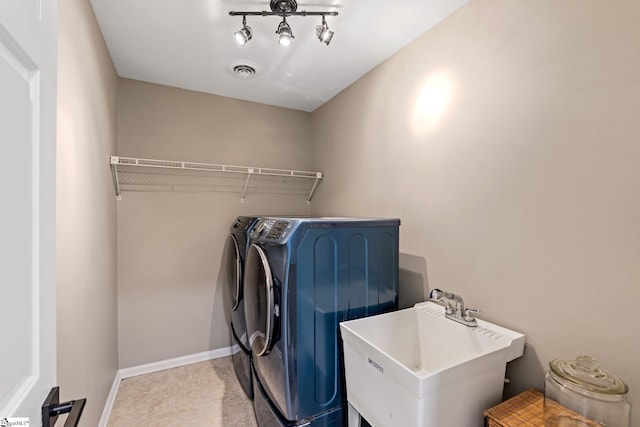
pixel 189 44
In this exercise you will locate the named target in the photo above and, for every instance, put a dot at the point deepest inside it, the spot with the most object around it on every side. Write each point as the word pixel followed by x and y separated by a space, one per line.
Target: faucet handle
pixel 435 294
pixel 467 313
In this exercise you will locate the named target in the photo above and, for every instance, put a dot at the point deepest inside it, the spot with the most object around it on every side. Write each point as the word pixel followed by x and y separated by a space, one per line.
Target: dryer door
pixel 233 272
pixel 259 300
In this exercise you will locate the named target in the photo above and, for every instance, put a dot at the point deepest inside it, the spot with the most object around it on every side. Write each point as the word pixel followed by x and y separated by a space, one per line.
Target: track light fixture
pixel 244 34
pixel 283 8
pixel 285 36
pixel 323 32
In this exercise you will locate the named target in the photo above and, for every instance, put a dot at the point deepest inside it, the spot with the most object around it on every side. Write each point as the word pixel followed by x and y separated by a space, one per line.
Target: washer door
pixel 233 274
pixel 259 301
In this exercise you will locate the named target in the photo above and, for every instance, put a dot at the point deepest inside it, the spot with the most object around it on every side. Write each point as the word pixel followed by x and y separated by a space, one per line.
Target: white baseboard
pixel 108 406
pixel 149 368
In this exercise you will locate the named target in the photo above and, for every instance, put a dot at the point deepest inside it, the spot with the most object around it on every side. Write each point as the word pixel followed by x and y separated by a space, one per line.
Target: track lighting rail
pixel 265 13
pixel 168 174
pixel 284 9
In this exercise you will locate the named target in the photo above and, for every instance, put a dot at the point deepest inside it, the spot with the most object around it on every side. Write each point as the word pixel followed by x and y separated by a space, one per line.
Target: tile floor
pixel 205 394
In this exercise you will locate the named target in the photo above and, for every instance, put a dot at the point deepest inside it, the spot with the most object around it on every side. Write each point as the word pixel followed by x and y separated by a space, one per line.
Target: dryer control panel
pixel 278 230
pixel 271 229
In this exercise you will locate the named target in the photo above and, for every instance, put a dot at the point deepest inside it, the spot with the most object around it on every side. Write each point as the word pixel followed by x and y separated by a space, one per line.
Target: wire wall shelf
pixel 133 174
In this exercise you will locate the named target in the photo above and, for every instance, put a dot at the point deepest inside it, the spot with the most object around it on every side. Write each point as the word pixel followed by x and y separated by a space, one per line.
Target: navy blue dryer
pixel 235 252
pixel 303 277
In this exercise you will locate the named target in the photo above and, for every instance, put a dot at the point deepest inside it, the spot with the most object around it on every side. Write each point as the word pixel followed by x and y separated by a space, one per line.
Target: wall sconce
pixel 283 8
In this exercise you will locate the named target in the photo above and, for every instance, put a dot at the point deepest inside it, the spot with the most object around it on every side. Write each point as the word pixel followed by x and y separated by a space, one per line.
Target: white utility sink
pixel 414 367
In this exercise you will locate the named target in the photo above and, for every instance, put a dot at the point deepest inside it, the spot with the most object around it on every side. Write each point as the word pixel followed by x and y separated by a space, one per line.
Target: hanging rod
pixel 117 161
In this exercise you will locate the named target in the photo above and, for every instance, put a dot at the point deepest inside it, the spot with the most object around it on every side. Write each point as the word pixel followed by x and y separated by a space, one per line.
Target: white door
pixel 28 50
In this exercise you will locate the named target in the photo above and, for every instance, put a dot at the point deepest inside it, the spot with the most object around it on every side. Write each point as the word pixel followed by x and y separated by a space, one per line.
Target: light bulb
pixel 285 36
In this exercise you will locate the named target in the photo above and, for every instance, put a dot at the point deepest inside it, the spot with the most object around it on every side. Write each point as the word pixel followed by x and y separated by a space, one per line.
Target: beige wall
pixel 86 212
pixel 507 139
pixel 518 189
pixel 170 243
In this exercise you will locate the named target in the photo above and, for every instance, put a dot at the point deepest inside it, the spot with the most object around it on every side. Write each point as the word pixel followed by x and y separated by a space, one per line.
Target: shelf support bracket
pixel 246 184
pixel 313 189
pixel 114 170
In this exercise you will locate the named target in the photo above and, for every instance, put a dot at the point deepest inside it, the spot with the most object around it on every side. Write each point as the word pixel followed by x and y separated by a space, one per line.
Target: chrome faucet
pixel 459 314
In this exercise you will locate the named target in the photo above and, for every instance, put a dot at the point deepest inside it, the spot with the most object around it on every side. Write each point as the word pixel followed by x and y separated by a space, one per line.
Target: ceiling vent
pixel 244 69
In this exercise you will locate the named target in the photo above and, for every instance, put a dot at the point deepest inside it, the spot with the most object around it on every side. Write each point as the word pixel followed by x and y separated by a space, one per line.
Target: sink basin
pixel 414 367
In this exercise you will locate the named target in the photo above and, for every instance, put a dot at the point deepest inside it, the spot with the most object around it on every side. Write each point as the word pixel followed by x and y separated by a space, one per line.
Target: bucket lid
pixel 585 373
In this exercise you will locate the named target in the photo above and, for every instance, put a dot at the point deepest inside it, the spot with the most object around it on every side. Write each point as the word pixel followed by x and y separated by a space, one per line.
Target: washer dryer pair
pixel 302 277
pixel 234 256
